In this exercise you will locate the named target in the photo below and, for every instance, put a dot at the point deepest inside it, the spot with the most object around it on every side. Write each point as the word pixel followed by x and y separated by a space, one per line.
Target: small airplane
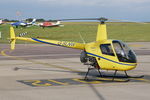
pixel 50 24
pixel 23 24
pixel 102 54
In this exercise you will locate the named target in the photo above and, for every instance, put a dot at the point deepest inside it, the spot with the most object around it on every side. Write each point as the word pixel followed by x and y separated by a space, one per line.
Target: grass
pixel 128 32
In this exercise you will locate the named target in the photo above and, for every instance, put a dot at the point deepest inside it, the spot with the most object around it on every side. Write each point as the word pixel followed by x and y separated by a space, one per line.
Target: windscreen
pixel 124 53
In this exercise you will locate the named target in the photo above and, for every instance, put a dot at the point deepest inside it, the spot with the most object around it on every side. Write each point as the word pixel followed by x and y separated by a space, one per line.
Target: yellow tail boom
pixel 51 42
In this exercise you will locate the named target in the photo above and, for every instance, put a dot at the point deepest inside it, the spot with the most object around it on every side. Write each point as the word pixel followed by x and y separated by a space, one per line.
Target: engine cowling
pixel 88 60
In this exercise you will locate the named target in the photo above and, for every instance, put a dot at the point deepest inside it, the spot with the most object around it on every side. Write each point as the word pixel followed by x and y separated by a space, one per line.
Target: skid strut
pixel 91 68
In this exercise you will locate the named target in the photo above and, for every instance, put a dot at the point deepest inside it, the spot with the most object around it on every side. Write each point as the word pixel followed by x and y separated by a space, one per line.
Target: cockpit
pixel 123 52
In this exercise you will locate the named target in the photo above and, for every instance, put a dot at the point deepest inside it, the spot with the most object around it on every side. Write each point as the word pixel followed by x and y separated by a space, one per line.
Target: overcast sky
pixel 135 10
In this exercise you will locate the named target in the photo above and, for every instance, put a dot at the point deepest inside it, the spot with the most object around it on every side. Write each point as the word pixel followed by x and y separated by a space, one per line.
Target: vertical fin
pixel 101 32
pixel 12 38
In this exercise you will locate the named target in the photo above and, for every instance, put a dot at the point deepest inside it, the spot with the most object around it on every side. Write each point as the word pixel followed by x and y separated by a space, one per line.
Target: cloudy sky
pixel 135 10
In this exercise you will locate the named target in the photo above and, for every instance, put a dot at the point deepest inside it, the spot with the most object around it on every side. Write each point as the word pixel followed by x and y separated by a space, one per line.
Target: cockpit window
pixel 123 52
pixel 107 49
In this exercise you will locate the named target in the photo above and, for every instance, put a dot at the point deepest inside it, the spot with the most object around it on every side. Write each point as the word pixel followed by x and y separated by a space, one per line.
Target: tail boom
pixel 51 42
pixel 55 42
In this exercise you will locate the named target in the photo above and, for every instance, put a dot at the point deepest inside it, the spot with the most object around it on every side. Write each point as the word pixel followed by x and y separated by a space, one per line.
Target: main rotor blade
pixel 99 19
pixel 118 20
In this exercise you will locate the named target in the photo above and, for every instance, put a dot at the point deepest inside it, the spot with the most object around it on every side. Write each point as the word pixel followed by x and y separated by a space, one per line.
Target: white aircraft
pixel 23 24
pixel 1 21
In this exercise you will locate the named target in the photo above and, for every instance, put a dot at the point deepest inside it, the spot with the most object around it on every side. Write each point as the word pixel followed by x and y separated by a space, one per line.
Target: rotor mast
pixel 101 32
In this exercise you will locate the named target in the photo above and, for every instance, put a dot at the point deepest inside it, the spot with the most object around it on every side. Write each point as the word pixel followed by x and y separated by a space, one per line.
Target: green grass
pixel 128 32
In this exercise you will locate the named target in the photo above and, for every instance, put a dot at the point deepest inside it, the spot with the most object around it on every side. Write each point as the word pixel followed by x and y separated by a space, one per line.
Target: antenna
pixel 81 38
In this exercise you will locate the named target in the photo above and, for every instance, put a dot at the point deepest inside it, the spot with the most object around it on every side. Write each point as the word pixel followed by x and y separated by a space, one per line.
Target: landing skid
pixel 140 76
pixel 113 76
pixel 121 76
pixel 106 80
pixel 136 76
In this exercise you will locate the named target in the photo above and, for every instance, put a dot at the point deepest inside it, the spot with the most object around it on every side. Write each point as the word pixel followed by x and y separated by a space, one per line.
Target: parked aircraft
pixel 23 24
pixel 50 24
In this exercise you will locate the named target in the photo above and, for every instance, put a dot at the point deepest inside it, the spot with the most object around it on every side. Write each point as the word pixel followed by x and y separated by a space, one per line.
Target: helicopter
pixel 102 54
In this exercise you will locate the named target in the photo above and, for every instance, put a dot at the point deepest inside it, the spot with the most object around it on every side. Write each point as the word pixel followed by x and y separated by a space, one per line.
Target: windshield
pixel 123 52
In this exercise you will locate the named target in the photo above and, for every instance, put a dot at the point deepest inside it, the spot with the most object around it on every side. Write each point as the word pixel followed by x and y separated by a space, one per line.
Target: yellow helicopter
pixel 102 54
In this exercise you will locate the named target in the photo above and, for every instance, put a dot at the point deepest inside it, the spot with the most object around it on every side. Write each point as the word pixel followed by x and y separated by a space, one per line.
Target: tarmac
pixel 44 72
